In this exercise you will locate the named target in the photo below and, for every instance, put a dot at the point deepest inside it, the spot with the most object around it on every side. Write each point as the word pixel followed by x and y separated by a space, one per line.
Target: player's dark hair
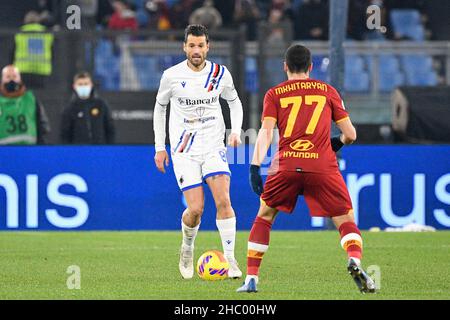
pixel 196 30
pixel 298 58
pixel 82 75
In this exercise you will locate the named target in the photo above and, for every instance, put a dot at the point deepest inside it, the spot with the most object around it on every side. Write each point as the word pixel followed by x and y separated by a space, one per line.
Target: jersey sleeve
pixel 164 91
pixel 337 107
pixel 229 92
pixel 270 107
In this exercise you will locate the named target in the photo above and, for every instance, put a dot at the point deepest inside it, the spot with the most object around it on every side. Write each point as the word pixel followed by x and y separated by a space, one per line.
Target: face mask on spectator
pixel 83 92
pixel 12 86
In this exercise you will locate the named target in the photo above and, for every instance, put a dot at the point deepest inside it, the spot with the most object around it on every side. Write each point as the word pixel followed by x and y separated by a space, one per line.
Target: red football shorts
pixel 325 194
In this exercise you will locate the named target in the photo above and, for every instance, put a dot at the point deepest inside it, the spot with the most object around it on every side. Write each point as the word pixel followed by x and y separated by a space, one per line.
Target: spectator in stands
pixel 180 12
pixel 87 119
pixel 247 12
pixel 438 19
pixel 226 9
pixel 23 120
pixel 279 27
pixel 284 6
pixel 123 18
pixel 207 15
pixel 89 12
pixel 47 10
pixel 104 12
pixel 386 8
pixel 32 51
pixel 357 18
pixel 311 21
pixel 159 15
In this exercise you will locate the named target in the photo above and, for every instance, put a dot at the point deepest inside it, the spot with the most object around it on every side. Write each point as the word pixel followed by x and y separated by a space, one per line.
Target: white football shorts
pixel 191 170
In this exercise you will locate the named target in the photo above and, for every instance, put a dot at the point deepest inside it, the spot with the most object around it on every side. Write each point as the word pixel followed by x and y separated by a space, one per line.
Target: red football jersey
pixel 303 110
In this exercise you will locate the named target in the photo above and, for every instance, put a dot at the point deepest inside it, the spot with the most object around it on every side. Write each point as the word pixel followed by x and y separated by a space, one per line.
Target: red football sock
pixel 258 243
pixel 351 240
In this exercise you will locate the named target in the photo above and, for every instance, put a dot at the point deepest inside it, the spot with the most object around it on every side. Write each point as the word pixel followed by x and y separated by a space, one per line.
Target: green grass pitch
pixel 144 265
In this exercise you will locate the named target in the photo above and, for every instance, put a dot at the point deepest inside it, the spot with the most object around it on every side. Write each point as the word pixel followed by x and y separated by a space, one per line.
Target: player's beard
pixel 197 62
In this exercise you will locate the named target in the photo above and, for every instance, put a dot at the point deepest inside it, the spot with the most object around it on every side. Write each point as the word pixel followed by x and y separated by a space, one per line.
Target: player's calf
pixel 351 240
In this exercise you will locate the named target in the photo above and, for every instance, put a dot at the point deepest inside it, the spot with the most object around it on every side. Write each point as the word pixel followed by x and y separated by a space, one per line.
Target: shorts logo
pixel 301 145
pixel 223 155
pixel 181 180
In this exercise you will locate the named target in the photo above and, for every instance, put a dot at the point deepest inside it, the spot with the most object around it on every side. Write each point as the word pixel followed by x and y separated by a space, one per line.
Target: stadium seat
pixel 356 82
pixel 416 62
pixel 219 59
pixel 428 78
pixel 388 81
pixel 142 17
pixel 402 19
pixel 167 61
pixel 354 64
pixel 320 68
pixel 418 69
pixel 140 4
pixel 104 48
pixel 274 71
pixel 387 63
pixel 375 35
pixel 151 75
pixel 107 70
pixel 407 23
pixel 416 33
pixel 251 75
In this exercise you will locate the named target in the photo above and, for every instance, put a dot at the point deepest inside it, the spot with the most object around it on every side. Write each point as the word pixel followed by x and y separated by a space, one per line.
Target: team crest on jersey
pixel 200 111
pixel 301 145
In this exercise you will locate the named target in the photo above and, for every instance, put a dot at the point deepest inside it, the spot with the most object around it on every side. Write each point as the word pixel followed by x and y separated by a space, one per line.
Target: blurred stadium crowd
pixel 116 61
pixel 413 20
pixel 308 18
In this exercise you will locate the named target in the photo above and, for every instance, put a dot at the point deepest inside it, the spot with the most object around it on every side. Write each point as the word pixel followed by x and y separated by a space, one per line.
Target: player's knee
pixel 196 210
pixel 267 213
pixel 223 204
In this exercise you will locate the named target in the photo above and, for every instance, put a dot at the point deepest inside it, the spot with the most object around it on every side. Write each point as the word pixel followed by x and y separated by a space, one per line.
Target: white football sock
pixel 227 230
pixel 358 261
pixel 189 235
pixel 249 277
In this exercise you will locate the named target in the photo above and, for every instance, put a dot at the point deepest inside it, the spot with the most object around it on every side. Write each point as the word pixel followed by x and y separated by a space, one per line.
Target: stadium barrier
pixel 420 114
pixel 119 188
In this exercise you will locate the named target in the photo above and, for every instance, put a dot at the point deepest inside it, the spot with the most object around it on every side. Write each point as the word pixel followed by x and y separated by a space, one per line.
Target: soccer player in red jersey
pixel 305 163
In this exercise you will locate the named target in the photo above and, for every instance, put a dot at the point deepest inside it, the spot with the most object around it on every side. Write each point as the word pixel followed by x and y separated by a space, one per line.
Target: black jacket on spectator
pixel 87 121
pixel 43 125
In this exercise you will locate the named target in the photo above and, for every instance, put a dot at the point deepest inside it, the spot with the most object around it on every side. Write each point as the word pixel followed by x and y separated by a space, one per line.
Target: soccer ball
pixel 212 265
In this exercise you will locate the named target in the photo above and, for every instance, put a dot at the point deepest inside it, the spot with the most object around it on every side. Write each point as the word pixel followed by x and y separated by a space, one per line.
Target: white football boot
pixel 186 264
pixel 234 272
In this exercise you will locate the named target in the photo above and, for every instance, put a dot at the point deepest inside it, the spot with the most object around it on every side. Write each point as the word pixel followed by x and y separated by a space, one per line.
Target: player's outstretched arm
pixel 348 135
